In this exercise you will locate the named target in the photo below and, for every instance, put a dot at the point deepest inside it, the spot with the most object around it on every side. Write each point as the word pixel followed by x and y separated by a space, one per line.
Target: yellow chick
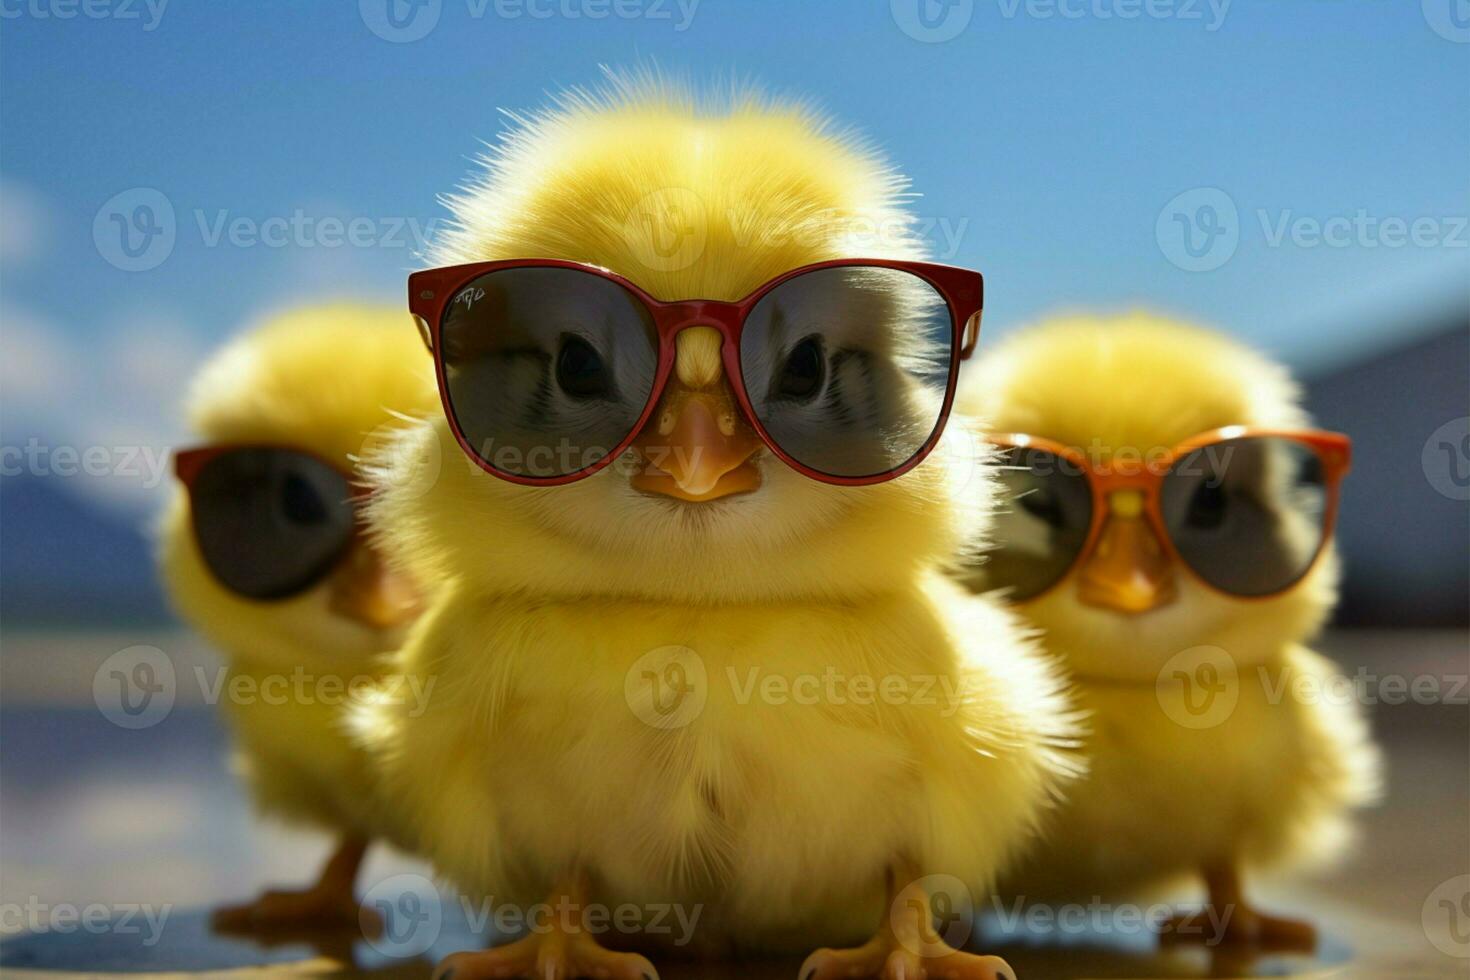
pixel 1177 569
pixel 262 551
pixel 711 681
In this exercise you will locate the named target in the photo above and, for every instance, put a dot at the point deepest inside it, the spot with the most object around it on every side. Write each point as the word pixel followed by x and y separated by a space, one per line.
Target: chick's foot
pixel 560 949
pixel 906 947
pixel 309 908
pixel 1229 920
pixel 327 904
pixel 1240 925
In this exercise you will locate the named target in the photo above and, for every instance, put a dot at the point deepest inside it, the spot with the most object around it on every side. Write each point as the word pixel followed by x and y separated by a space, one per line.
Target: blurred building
pixel 1404 528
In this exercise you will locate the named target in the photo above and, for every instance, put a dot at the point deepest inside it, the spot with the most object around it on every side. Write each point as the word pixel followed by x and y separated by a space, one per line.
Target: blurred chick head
pixel 687 200
pixel 330 381
pixel 1139 385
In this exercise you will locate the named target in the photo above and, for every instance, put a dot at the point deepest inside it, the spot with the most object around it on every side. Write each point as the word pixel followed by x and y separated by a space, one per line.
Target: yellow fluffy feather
pixel 331 380
pixel 1270 785
pixel 778 820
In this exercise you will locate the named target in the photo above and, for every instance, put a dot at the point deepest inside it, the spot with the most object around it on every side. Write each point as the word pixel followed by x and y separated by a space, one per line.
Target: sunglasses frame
pixel 1333 449
pixel 189 463
pixel 430 292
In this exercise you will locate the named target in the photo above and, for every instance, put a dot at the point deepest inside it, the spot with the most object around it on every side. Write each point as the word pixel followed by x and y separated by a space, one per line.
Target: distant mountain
pixel 67 562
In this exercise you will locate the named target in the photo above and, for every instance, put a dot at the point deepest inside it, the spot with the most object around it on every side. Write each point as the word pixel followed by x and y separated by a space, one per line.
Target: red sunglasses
pixel 549 370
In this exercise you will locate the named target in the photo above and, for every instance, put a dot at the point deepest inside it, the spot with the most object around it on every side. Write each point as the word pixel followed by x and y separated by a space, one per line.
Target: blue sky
pixel 1064 147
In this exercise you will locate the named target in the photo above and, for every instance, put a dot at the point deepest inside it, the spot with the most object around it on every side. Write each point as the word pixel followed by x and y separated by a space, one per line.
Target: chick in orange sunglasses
pixel 1246 510
pixel 1177 583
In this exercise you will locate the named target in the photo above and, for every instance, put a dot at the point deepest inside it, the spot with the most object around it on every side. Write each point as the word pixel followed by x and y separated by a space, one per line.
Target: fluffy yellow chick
pixel 262 553
pixel 608 725
pixel 1220 744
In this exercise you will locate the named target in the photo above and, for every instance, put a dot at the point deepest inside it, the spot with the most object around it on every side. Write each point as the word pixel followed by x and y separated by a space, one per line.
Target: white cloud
pixel 23 223
pixel 37 367
pixel 117 397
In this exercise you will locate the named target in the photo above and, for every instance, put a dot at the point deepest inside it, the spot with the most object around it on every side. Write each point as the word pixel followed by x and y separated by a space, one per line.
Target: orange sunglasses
pixel 1247 510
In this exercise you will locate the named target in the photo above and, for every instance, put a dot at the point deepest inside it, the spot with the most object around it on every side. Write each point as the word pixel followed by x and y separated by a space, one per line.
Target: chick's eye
pixel 802 374
pixel 1207 507
pixel 300 502
pixel 579 370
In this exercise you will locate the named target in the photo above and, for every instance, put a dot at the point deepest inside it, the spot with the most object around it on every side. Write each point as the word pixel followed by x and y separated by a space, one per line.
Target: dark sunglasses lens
pixel 1041 524
pixel 270 522
pixel 1248 515
pixel 847 368
pixel 546 370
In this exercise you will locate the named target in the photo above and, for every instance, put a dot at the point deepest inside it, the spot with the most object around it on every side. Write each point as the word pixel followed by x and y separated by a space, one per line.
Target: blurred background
pixel 1294 173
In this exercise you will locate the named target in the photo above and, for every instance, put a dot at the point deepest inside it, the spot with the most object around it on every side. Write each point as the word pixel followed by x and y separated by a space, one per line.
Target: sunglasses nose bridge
pixel 676 317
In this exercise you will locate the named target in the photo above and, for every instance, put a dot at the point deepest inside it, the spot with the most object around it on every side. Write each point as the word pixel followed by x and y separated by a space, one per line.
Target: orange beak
pixel 1128 570
pixel 365 589
pixel 697 446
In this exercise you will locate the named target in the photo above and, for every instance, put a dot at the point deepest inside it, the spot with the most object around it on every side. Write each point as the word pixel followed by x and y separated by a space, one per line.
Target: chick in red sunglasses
pixel 1167 523
pixel 695 374
pixel 263 551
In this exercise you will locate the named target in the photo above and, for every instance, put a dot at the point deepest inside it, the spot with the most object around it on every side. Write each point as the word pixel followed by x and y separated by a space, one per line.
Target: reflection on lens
pixel 1248 515
pixel 547 369
pixel 847 367
pixel 1042 524
pixel 271 522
